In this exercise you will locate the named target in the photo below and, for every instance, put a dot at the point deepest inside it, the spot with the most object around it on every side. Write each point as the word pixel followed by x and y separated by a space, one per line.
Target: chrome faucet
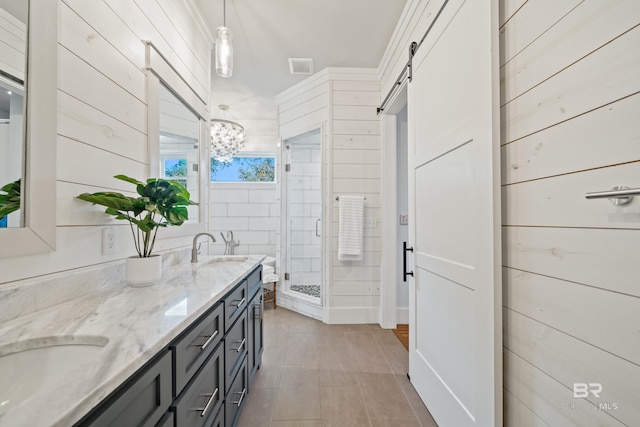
pixel 230 244
pixel 194 248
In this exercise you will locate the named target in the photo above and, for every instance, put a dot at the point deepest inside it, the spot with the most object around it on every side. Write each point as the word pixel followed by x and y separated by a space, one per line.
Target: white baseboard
pixel 402 315
pixel 351 315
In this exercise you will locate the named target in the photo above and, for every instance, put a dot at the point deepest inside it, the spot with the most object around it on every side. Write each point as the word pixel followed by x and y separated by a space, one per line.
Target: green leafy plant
pixel 10 200
pixel 160 203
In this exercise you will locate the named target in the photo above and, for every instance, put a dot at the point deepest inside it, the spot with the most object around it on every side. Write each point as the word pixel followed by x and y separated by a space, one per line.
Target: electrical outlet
pixel 404 219
pixel 108 241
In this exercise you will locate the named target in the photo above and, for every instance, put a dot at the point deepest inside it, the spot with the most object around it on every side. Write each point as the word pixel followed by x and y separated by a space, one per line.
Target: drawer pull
pixel 240 303
pixel 208 341
pixel 242 343
pixel 204 410
pixel 239 402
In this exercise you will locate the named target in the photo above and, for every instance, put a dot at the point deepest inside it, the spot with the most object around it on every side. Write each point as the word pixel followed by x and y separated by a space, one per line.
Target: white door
pixel 455 353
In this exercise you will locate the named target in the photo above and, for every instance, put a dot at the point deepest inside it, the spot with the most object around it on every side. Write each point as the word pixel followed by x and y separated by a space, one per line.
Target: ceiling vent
pixel 301 65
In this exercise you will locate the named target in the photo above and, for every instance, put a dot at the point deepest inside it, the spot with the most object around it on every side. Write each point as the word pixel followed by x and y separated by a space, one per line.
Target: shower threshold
pixel 311 290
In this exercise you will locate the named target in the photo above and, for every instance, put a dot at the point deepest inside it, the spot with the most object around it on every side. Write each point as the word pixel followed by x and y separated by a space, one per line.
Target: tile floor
pixel 314 374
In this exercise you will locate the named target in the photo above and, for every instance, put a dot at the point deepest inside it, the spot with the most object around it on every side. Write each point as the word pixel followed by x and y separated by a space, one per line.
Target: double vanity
pixel 181 352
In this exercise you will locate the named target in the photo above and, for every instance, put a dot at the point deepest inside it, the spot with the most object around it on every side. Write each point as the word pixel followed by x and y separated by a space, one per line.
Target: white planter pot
pixel 143 271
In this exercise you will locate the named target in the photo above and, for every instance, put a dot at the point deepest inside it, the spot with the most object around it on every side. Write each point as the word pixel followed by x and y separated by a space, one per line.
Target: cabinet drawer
pixel 202 398
pixel 235 344
pixel 236 395
pixel 254 281
pixel 235 303
pixel 142 401
pixel 193 348
pixel 218 421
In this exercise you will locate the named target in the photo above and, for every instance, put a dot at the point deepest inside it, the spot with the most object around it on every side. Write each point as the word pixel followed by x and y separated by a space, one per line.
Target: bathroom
pixel 564 79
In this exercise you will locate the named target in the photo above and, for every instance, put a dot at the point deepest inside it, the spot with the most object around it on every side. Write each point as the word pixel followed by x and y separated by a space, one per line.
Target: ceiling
pixel 335 33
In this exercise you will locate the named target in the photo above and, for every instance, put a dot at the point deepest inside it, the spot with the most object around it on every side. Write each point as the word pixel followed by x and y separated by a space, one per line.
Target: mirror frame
pixel 159 70
pixel 41 138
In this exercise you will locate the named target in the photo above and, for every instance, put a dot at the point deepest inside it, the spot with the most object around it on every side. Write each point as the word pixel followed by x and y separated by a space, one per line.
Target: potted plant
pixel 160 203
pixel 10 200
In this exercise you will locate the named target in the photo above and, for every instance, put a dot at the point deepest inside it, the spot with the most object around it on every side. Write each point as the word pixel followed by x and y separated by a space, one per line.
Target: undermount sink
pixel 226 260
pixel 26 366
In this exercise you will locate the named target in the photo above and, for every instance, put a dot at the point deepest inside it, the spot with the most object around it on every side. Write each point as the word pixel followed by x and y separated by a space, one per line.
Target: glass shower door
pixel 304 220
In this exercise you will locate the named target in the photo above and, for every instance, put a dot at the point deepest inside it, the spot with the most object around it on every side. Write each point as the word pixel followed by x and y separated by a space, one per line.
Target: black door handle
pixel 405 249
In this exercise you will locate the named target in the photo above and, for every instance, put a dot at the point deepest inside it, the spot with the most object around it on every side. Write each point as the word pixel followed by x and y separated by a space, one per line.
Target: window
pixel 175 169
pixel 245 168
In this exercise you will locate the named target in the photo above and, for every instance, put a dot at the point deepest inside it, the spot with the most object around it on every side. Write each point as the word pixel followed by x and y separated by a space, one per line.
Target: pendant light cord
pixel 224 13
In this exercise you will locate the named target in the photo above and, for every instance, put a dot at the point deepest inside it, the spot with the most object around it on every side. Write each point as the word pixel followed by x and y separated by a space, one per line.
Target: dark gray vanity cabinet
pixel 201 379
pixel 141 402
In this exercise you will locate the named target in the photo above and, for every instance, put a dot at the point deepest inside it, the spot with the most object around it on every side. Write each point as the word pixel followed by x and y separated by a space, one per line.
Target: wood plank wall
pixel 102 116
pixel 570 101
pixel 356 167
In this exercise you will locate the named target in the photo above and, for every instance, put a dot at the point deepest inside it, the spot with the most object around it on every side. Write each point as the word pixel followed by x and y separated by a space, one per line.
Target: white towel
pixel 351 225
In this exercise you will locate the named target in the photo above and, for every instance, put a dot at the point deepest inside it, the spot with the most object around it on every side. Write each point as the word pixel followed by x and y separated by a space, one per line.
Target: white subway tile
pixel 218 209
pixel 263 223
pixel 248 209
pixel 262 196
pixel 252 237
pixel 230 223
pixel 269 250
pixel 229 196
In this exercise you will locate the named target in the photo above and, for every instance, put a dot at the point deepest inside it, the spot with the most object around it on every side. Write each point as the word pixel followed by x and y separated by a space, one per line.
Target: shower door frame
pixel 293 300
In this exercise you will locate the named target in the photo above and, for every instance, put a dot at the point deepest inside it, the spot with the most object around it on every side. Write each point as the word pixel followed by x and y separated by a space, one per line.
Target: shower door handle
pixel 318 222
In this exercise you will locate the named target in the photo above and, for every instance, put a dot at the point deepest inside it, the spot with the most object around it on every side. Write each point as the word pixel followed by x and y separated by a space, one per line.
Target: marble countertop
pixel 137 322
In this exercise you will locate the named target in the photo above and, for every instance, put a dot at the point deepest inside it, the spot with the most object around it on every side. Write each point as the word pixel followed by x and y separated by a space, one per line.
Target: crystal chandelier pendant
pixel 227 138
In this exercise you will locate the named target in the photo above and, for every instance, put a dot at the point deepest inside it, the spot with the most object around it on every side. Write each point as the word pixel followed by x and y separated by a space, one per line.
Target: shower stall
pixel 302 195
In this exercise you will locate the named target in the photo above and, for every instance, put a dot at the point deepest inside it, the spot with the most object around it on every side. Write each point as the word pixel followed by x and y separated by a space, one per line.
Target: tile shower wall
pixel 247 209
pixel 305 204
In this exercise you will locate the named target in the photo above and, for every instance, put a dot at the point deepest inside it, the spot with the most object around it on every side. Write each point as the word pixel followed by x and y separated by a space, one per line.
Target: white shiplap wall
pixel 343 101
pixel 102 116
pixel 570 100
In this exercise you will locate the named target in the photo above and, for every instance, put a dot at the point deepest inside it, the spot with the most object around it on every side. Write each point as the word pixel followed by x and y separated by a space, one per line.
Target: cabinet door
pixel 141 402
pixel 203 397
pixel 194 346
pixel 255 334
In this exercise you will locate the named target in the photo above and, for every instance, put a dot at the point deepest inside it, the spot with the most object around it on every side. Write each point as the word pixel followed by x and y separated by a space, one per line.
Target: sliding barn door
pixel 455 341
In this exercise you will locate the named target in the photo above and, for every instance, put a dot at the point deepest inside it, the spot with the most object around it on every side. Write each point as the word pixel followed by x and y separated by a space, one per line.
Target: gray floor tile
pixel 315 374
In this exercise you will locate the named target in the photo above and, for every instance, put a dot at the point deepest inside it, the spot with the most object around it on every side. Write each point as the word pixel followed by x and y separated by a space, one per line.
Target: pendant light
pixel 224 48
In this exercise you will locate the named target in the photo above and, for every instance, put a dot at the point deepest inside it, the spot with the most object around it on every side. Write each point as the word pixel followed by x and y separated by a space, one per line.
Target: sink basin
pixel 26 366
pixel 226 261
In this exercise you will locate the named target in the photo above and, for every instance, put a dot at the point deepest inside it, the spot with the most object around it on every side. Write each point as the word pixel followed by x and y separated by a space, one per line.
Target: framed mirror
pixel 28 69
pixel 178 126
pixel 13 67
